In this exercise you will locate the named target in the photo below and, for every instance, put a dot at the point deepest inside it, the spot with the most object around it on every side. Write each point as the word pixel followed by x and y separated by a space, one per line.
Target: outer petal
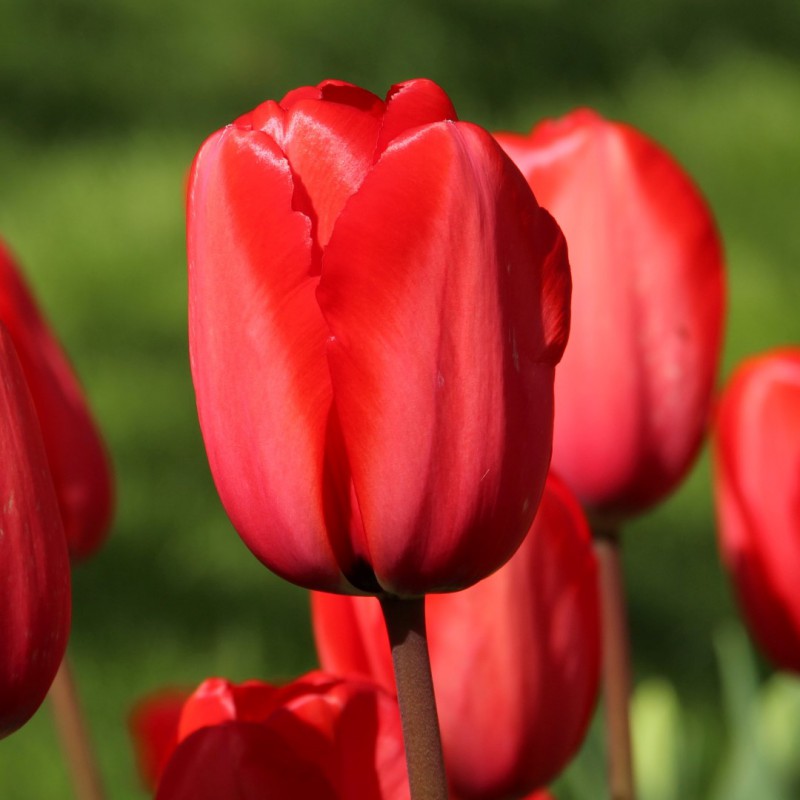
pixel 34 564
pixel 75 451
pixel 353 728
pixel 633 391
pixel 519 653
pixel 244 761
pixel 153 726
pixel 441 357
pixel 256 340
pixel 757 459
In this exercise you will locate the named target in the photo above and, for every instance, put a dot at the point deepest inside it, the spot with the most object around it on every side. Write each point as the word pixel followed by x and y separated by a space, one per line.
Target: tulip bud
pixel 376 308
pixel 757 480
pixel 34 565
pixel 75 451
pixel 515 658
pixel 634 388
pixel 319 737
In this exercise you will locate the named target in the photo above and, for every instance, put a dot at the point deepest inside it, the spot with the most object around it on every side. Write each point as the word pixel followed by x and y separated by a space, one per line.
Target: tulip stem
pixel 616 665
pixel 405 623
pixel 74 736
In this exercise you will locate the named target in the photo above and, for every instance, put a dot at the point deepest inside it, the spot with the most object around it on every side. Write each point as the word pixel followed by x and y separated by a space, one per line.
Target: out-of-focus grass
pixel 97 223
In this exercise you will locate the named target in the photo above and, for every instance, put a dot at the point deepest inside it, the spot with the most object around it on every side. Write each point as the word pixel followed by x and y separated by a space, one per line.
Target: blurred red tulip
pixel 76 454
pixel 633 391
pixel 34 564
pixel 757 460
pixel 376 308
pixel 515 659
pixel 318 737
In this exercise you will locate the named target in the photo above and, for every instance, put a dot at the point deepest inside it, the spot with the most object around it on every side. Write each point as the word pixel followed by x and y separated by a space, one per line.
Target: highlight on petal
pixel 257 347
pixel 443 398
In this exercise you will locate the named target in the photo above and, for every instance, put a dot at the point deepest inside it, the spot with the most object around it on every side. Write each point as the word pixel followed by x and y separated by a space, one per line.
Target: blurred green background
pixel 103 107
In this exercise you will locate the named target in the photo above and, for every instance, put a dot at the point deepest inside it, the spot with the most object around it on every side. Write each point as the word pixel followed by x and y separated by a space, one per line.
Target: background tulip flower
pixel 515 658
pixel 34 565
pixel 319 737
pixel 757 461
pixel 376 308
pixel 75 451
pixel 633 391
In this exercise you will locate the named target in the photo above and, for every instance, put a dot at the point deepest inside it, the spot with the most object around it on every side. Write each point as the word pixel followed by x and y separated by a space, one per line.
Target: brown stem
pixel 616 666
pixel 405 622
pixel 74 736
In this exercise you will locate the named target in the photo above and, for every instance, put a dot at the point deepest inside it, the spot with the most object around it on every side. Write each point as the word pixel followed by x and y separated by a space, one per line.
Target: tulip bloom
pixel 74 448
pixel 634 388
pixel 515 658
pixel 376 308
pixel 34 565
pixel 319 737
pixel 757 461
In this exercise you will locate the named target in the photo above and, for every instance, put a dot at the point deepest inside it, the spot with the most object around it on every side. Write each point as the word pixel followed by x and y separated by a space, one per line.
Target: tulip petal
pixel 757 459
pixel 244 761
pixel 440 355
pixel 411 104
pixel 154 729
pixel 330 147
pixel 253 313
pixel 34 564
pixel 633 390
pixel 75 451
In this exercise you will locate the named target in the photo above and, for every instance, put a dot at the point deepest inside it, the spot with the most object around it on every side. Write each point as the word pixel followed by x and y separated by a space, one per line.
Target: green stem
pixel 616 665
pixel 405 623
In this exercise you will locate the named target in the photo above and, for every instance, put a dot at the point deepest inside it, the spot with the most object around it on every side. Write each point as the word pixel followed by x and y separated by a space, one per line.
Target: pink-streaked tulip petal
pixel 443 396
pixel 757 459
pixel 257 346
pixel 75 451
pixel 153 726
pixel 411 104
pixel 633 390
pixel 517 652
pixel 34 562
pixel 241 760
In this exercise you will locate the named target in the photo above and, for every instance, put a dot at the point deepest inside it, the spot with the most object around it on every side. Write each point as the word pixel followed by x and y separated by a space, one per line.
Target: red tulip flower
pixel 74 448
pixel 376 308
pixel 319 737
pixel 515 658
pixel 757 460
pixel 34 564
pixel 634 388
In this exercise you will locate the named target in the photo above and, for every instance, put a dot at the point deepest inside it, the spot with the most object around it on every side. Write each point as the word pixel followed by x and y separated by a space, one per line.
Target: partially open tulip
pixel 515 658
pixel 376 308
pixel 757 461
pixel 319 737
pixel 34 565
pixel 633 391
pixel 74 448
